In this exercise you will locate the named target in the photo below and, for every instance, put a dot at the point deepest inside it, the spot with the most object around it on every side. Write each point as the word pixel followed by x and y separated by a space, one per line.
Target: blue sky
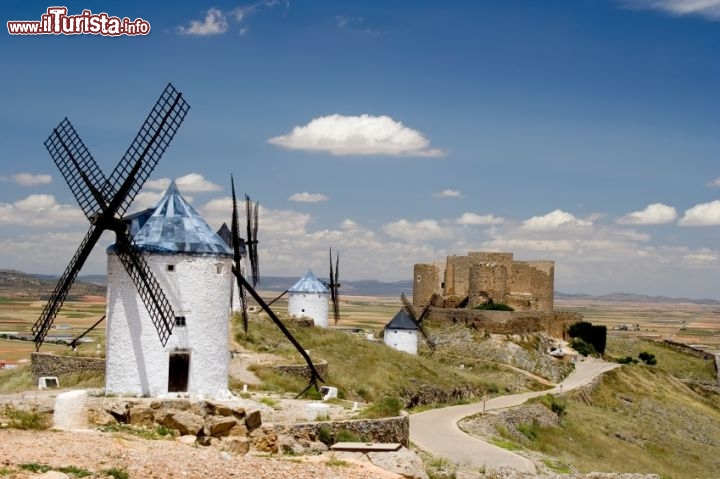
pixel 585 132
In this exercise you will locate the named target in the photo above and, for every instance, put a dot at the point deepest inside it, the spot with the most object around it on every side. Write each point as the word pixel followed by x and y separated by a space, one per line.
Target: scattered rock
pixel 253 420
pixel 403 461
pixel 52 475
pixel 219 425
pixel 140 415
pixel 236 445
pixel 188 439
pixel 265 439
pixel 182 421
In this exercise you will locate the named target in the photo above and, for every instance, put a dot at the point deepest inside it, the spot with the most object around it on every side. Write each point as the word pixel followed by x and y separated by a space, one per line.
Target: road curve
pixel 437 432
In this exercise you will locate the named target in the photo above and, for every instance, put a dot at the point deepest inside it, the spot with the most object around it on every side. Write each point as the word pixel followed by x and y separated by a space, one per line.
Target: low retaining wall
pixel 46 364
pixel 392 429
pixel 510 322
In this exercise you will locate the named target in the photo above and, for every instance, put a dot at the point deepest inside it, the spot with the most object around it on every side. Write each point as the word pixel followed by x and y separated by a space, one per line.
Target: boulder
pixel 236 445
pixel 238 430
pixel 265 439
pixel 119 410
pixel 140 415
pixel 403 461
pixel 219 425
pixel 184 422
pixel 253 420
pixel 188 439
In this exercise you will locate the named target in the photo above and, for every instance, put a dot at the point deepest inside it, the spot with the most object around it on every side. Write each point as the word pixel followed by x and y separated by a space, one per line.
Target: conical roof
pixel 402 320
pixel 175 227
pixel 309 284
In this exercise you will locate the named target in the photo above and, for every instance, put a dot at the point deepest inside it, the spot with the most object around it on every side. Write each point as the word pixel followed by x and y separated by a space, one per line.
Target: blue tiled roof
pixel 173 226
pixel 309 284
pixel 402 320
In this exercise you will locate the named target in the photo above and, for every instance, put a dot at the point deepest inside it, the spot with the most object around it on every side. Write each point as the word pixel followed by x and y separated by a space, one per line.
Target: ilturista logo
pixel 56 21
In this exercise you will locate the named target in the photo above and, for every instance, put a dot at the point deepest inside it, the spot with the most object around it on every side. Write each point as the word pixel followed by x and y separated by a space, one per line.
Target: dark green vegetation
pixel 661 416
pixel 588 339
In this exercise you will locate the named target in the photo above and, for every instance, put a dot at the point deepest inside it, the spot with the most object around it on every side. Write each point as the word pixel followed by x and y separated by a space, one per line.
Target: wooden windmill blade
pixel 105 200
pixel 335 284
pixel 59 294
pixel 243 283
pixel 237 246
pixel 251 222
pixel 149 144
pixel 418 321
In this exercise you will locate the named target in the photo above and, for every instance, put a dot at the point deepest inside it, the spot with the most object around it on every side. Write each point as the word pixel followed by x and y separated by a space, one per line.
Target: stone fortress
pixel 459 284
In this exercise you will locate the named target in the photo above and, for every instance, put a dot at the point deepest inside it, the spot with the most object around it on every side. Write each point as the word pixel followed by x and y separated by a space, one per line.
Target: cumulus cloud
pixel 715 183
pixel 704 214
pixel 217 22
pixel 475 219
pixel 357 135
pixel 27 179
pixel 214 23
pixel 287 223
pixel 306 197
pixel 419 231
pixel 40 210
pixel 554 220
pixel 190 183
pixel 447 194
pixel 709 9
pixel 653 214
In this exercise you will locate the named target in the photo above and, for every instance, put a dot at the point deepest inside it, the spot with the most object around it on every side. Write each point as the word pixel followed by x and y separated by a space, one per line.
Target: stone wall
pixel 426 282
pixel 45 364
pixel 510 322
pixel 392 429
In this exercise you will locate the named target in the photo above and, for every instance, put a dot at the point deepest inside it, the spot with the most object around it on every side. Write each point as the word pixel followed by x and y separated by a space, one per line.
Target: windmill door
pixel 178 371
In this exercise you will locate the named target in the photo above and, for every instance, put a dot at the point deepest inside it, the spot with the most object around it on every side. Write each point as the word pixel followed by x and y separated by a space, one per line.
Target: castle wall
pixel 510 322
pixel 531 285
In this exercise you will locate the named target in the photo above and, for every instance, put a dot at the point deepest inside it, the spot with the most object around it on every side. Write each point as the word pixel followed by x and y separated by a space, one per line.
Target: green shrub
pixel 325 436
pixel 23 419
pixel 647 358
pixel 388 406
pixel 593 335
pixel 117 473
pixel 35 467
pixel 344 435
pixel 582 347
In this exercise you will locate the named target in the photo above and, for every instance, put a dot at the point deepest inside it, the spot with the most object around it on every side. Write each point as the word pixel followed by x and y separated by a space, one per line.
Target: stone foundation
pixel 553 324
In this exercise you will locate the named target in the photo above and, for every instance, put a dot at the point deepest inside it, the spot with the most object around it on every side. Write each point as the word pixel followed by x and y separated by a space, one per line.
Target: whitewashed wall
pixel 401 339
pixel 198 288
pixel 311 305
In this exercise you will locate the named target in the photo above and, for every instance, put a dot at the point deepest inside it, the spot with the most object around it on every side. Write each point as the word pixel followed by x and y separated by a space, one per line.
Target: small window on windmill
pixel 303 310
pixel 171 267
pixel 180 321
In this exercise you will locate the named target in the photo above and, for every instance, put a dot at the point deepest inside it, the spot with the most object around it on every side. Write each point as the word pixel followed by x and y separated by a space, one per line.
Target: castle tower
pixel 426 282
pixel 487 281
pixel 309 297
pixel 193 267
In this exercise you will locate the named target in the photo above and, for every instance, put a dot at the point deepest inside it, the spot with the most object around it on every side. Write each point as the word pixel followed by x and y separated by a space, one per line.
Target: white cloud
pixel 653 214
pixel 40 210
pixel 27 179
pixel 306 197
pixel 710 9
pixel 214 23
pixel 357 135
pixel 554 220
pixel 287 223
pixel 190 183
pixel 475 219
pixel 422 230
pixel 704 214
pixel 715 183
pixel 447 194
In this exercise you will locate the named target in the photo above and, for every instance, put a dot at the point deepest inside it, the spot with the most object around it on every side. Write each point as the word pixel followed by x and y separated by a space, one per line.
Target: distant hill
pixel 367 287
pixel 17 283
pixel 633 298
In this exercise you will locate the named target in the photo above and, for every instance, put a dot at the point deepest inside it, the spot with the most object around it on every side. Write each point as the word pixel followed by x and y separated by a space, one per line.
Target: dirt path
pixel 437 432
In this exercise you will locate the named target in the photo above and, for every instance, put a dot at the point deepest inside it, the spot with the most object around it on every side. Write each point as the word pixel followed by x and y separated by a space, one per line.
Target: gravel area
pixel 98 452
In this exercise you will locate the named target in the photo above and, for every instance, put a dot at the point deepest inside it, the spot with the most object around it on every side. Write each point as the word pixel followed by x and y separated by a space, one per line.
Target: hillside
pixel 19 284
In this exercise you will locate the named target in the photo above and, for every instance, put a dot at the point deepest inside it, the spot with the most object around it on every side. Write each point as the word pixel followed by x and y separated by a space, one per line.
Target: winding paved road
pixel 437 432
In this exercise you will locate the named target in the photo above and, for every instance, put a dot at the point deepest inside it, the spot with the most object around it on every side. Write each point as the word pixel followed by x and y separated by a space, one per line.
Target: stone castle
pixel 459 284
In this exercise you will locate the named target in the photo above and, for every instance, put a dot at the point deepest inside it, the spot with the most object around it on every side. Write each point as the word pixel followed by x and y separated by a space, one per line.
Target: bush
pixel 388 406
pixel 21 419
pixel 627 360
pixel 325 436
pixel 344 435
pixel 647 358
pixel 582 347
pixel 593 335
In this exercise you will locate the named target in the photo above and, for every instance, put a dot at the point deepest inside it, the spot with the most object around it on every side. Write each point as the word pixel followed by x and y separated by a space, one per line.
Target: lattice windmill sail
pixel 104 200
pixel 248 251
pixel 333 285
pixel 243 283
pixel 419 319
